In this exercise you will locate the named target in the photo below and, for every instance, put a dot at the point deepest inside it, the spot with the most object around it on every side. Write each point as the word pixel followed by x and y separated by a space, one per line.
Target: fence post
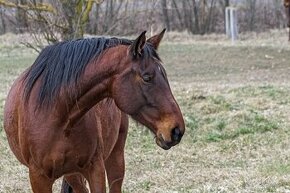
pixel 231 23
pixel 227 19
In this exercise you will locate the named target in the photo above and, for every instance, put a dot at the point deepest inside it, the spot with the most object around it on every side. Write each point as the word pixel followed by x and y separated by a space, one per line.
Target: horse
pixel 67 114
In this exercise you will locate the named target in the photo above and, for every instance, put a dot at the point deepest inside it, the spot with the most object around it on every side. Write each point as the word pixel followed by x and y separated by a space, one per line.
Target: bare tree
pixel 68 19
pixel 29 6
pixel 287 9
pixel 227 3
pixel 54 21
pixel 196 19
pixel 223 5
pixel 2 21
pixel 76 14
pixel 251 4
pixel 21 17
pixel 177 11
pixel 165 14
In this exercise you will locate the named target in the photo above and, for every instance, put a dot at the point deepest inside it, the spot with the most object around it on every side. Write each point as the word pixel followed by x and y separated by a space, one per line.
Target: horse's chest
pixel 82 147
pixel 66 154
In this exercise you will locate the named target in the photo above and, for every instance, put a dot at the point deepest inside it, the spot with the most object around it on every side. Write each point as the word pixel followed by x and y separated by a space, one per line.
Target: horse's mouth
pixel 162 144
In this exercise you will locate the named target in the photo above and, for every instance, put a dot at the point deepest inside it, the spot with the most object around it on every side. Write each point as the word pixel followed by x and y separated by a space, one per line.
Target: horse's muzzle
pixel 176 136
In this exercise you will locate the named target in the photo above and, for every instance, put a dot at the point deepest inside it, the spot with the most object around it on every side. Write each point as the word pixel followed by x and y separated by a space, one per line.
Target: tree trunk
pixel 185 15
pixel 165 14
pixel 21 17
pixel 96 26
pixel 69 12
pixel 178 14
pixel 227 3
pixel 77 15
pixel 196 19
pixel 190 17
pixel 209 17
pixel 224 6
pixel 252 14
pixel 288 17
pixel 2 22
pixel 203 5
pixel 106 17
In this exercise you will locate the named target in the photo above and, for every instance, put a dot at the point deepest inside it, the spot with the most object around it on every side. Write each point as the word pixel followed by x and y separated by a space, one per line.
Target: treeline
pixel 125 17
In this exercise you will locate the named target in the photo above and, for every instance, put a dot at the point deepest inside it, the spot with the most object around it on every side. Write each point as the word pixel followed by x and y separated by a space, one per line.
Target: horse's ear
pixel 138 45
pixel 155 40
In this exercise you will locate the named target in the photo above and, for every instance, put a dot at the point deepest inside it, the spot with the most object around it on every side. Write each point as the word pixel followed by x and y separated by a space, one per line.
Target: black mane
pixel 63 63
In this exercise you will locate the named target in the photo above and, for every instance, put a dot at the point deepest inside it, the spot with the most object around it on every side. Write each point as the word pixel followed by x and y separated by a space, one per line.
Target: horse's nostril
pixel 176 134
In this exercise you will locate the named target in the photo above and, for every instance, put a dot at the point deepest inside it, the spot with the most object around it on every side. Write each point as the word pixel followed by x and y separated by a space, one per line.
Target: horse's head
pixel 142 91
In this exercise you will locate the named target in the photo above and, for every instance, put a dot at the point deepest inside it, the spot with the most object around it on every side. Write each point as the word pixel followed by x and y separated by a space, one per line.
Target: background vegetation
pixel 56 20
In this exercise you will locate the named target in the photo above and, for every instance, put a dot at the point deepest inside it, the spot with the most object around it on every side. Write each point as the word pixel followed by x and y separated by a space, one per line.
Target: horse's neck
pixel 95 83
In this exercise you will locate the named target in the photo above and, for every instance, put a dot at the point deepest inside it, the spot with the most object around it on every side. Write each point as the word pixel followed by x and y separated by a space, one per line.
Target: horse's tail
pixel 65 187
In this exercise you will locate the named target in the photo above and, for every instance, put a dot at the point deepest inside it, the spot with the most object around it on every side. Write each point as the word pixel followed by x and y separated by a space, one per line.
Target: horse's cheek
pixel 127 104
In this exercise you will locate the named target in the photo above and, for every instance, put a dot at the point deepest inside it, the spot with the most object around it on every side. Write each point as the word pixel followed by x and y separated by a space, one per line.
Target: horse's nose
pixel 176 134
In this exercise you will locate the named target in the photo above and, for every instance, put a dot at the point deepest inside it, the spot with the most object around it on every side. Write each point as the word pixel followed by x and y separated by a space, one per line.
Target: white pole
pixel 227 15
pixel 233 24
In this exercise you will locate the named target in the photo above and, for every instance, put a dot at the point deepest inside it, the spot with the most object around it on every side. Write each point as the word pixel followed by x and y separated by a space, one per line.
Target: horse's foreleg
pixel 76 182
pixel 39 182
pixel 115 168
pixel 115 164
pixel 95 175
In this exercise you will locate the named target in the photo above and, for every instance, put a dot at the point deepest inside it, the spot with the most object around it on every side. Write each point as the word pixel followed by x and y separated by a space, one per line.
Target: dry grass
pixel 235 100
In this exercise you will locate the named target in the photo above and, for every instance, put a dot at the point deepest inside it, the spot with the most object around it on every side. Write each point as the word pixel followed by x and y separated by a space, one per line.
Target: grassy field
pixel 236 102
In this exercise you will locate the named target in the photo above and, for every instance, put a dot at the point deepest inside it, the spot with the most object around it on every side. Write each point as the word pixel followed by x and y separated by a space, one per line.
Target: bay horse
pixel 67 114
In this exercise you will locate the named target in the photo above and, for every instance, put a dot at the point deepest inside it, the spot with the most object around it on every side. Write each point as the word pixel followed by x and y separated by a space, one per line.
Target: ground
pixel 235 98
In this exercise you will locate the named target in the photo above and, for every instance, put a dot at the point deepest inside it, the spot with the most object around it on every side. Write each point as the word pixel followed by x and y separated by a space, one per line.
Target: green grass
pixel 276 168
pixel 248 124
pixel 235 112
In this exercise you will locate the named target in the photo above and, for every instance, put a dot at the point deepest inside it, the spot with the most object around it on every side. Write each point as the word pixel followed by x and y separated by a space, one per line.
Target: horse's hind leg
pixel 39 182
pixel 115 164
pixel 74 184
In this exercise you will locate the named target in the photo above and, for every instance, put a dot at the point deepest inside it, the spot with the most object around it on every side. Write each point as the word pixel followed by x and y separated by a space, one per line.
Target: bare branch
pixel 30 6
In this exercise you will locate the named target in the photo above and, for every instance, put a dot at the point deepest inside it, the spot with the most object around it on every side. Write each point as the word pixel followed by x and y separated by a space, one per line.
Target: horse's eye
pixel 147 78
